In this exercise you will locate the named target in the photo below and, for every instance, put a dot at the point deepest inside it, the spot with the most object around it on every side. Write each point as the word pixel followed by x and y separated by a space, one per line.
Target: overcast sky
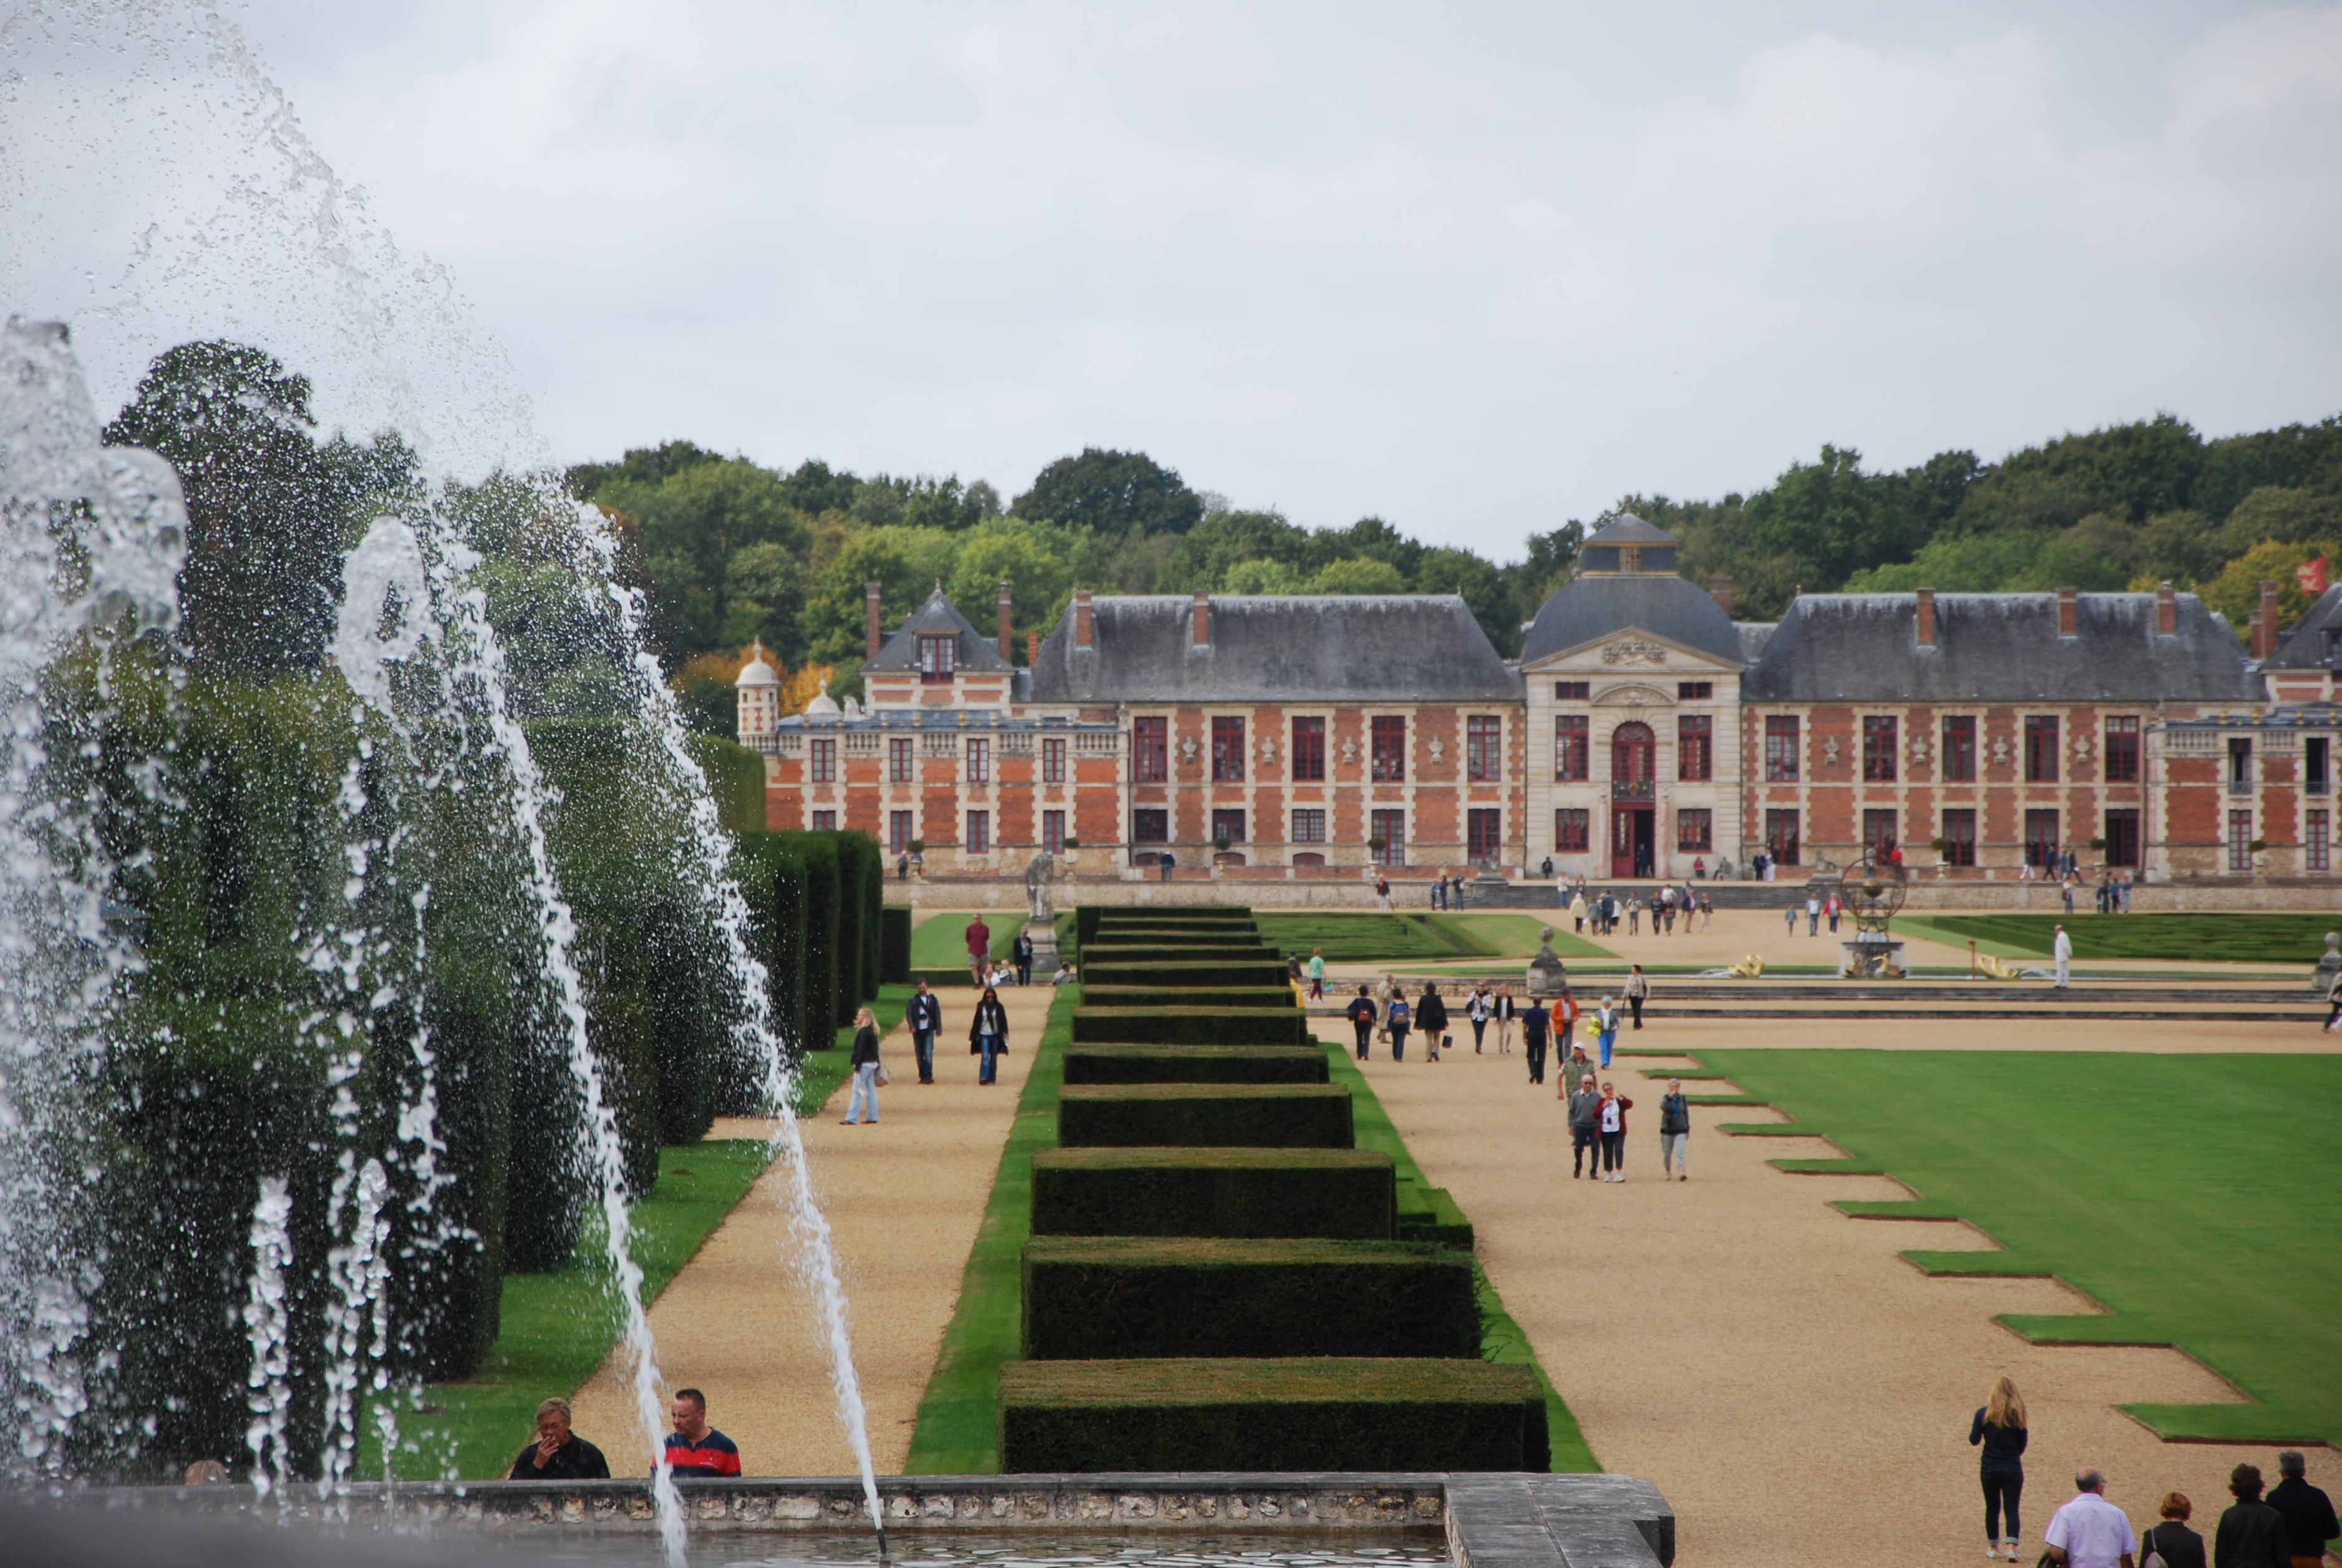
pixel 1476 269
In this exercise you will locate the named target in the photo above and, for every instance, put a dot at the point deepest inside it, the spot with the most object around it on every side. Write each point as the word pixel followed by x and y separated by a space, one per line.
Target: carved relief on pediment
pixel 1633 696
pixel 1633 651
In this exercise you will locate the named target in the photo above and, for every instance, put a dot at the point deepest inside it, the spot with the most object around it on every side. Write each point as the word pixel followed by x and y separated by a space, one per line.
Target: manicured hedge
pixel 1173 912
pixel 1188 996
pixel 1138 970
pixel 736 780
pixel 1105 950
pixel 1337 1194
pixel 1430 1215
pixel 1324 1413
pixel 862 884
pixel 1191 1026
pixel 772 880
pixel 1094 1298
pixel 1195 1065
pixel 895 945
pixel 817 854
pixel 1196 1115
pixel 1178 936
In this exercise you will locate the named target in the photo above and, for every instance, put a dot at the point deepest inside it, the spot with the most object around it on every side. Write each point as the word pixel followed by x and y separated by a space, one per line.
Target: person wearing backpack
pixel 1397 1018
pixel 1362 1014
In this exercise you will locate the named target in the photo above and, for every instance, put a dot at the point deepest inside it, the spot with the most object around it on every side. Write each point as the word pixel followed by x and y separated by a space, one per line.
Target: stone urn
pixel 1547 974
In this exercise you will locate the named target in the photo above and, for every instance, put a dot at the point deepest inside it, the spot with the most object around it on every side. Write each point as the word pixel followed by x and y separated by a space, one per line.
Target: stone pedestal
pixel 1877 958
pixel 2328 966
pixel 1043 935
pixel 1546 977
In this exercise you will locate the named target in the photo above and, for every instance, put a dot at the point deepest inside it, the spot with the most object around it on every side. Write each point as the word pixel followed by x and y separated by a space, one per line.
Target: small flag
pixel 2311 576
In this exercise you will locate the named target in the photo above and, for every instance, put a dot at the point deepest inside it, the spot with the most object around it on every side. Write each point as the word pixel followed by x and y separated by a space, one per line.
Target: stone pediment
pixel 1634 696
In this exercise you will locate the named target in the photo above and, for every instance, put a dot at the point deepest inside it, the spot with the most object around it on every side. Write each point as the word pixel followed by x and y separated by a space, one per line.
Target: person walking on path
pixel 558 1453
pixel 2062 951
pixel 1999 1429
pixel 1565 1027
pixel 1634 916
pixel 1577 910
pixel 1573 1067
pixel 2178 1546
pixel 2251 1534
pixel 1317 975
pixel 1020 953
pixel 2090 1531
pixel 1834 909
pixel 1675 1133
pixel 1560 890
pixel 695 1448
pixel 2308 1512
pixel 1789 921
pixel 1362 1015
pixel 1382 893
pixel 1639 991
pixel 1813 915
pixel 1384 994
pixel 862 1104
pixel 1431 1017
pixel 1606 1028
pixel 1506 1010
pixel 1397 1017
pixel 1477 1008
pixel 1537 1023
pixel 926 1021
pixel 1707 912
pixel 979 947
pixel 987 1035
pixel 1615 1107
pixel 1585 1130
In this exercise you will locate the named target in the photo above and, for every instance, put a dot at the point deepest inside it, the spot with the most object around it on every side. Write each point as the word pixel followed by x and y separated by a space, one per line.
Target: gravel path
pixel 904 1200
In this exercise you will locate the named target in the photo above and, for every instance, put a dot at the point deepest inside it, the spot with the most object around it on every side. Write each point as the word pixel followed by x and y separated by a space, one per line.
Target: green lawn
pixel 555 1328
pixel 1351 937
pixel 2199 1198
pixel 2233 938
pixel 941 942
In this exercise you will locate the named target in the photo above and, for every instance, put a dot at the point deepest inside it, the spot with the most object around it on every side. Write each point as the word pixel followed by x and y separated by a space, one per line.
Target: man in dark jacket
pixel 2309 1521
pixel 927 1021
pixel 1362 1015
pixel 1537 1027
pixel 558 1453
pixel 2252 1535
pixel 1431 1017
pixel 1675 1133
pixel 1585 1129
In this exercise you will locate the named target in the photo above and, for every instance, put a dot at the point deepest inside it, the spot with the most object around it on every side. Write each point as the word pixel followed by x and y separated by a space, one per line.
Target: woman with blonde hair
pixel 1999 1430
pixel 863 1064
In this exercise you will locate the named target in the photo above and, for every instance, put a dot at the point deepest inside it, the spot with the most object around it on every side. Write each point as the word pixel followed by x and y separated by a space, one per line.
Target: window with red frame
pixel 1694 829
pixel 1781 836
pixel 1389 752
pixel 1484 750
pixel 1227 750
pixel 898 832
pixel 1781 757
pixel 1053 761
pixel 1053 832
pixel 1879 732
pixel 1150 750
pixel 979 761
pixel 824 822
pixel 1960 758
pixel 1308 751
pixel 1390 826
pixel 899 761
pixel 1485 833
pixel 1695 747
pixel 1572 749
pixel 2040 748
pixel 936 658
pixel 2122 751
pixel 1309 825
pixel 822 767
pixel 979 833
pixel 1959 836
pixel 1570 829
pixel 2317 840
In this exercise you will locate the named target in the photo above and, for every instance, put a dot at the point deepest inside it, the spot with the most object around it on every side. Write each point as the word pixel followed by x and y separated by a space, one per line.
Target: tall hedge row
pixel 836 881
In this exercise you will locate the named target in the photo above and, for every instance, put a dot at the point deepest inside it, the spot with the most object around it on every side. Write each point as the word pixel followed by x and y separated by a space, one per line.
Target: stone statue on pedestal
pixel 1547 975
pixel 2329 966
pixel 1040 877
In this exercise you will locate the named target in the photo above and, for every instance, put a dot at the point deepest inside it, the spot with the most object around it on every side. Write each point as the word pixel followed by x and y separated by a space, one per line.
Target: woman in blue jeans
pixel 988 1035
pixel 1398 1020
pixel 1999 1430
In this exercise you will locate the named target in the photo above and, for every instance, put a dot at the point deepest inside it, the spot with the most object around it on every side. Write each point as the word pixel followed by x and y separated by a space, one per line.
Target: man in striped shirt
pixel 695 1448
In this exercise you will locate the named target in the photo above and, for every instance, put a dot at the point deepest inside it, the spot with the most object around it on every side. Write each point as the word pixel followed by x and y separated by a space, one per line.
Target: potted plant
pixel 1071 850
pixel 918 848
pixel 1219 847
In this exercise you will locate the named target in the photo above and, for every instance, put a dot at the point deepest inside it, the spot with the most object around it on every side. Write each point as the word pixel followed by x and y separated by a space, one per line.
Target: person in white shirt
pixel 2090 1531
pixel 2062 950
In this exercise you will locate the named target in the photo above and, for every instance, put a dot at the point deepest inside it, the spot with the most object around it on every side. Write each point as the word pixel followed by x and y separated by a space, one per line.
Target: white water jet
pixel 268 1328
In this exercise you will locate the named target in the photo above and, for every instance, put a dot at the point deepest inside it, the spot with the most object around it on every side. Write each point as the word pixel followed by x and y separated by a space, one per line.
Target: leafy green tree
pixel 1357 575
pixel 1224 539
pixel 1114 493
pixel 640 466
pixel 2289 516
pixel 1034 559
pixel 1261 576
pixel 2236 592
pixel 686 529
pixel 905 562
pixel 764 589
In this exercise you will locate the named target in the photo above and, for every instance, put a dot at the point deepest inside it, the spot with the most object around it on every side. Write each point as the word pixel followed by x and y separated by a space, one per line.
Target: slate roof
pixel 1628 529
pixel 937 617
pixel 1588 609
pixel 1754 636
pixel 1998 647
pixel 1269 648
pixel 2315 641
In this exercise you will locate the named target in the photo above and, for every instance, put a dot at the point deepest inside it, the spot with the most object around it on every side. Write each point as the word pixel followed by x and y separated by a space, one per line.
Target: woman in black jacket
pixel 1431 1017
pixel 2251 1534
pixel 987 1033
pixel 2178 1546
pixel 864 1065
pixel 1999 1430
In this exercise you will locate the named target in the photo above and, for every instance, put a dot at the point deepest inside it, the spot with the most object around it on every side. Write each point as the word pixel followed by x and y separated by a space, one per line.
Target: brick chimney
pixel 2065 612
pixel 1722 588
pixel 1007 637
pixel 1925 633
pixel 1032 649
pixel 1082 627
pixel 2253 636
pixel 2167 610
pixel 870 616
pixel 2268 648
pixel 1199 631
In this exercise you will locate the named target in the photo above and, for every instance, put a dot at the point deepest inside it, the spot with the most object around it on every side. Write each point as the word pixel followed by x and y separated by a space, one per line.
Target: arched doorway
pixel 1634 800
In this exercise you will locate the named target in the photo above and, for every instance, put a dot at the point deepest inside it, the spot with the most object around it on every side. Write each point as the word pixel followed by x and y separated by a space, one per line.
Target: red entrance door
pixel 1633 795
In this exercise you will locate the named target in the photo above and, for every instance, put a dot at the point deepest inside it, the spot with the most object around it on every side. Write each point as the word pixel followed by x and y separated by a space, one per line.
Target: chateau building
pixel 1642 733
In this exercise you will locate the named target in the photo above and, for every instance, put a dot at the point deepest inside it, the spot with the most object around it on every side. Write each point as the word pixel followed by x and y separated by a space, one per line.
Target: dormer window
pixel 936 658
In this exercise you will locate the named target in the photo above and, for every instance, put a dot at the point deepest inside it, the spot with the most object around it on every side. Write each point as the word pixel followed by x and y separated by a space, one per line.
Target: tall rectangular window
pixel 1150 824
pixel 979 833
pixel 899 766
pixel 2041 838
pixel 1229 826
pixel 1571 691
pixel 1694 829
pixel 1309 825
pixel 2122 837
pixel 824 822
pixel 2316 840
pixel 823 757
pixel 2122 751
pixel 1308 751
pixel 1781 754
pixel 1484 750
pixel 1960 753
pixel 1878 834
pixel 1959 836
pixel 898 832
pixel 1053 761
pixel 1150 750
pixel 1484 833
pixel 1781 836
pixel 936 658
pixel 1571 829
pixel 1227 750
pixel 1388 754
pixel 1695 747
pixel 1878 734
pixel 1390 826
pixel 979 761
pixel 1053 832
pixel 2240 840
pixel 1572 749
pixel 2040 748
pixel 2316 764
pixel 2240 764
